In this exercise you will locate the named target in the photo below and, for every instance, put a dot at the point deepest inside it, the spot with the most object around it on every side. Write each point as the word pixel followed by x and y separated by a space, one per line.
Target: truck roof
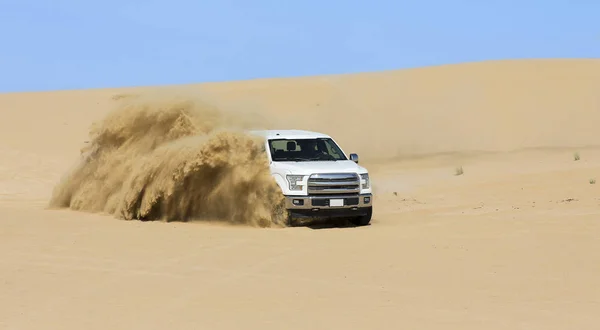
pixel 289 134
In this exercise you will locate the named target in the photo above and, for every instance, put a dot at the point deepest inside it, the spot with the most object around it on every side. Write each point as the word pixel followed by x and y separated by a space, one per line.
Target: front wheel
pixel 290 221
pixel 363 220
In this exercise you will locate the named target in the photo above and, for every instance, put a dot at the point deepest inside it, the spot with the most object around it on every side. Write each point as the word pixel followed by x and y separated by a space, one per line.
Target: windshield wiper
pixel 313 159
pixel 293 159
pixel 300 159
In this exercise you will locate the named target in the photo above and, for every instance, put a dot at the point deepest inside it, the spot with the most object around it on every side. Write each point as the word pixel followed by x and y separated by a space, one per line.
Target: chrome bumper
pixel 327 202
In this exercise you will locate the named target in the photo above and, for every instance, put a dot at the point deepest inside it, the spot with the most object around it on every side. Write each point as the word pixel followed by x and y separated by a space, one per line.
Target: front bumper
pixel 329 205
pixel 328 202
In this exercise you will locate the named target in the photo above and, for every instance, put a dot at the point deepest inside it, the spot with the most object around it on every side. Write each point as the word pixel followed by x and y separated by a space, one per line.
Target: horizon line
pixel 296 77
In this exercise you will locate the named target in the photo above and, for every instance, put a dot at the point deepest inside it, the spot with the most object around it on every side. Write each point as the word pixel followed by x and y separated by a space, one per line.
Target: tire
pixel 290 221
pixel 363 220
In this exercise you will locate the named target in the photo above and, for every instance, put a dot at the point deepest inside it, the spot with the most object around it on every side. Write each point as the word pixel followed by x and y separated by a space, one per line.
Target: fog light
pixel 367 200
pixel 298 202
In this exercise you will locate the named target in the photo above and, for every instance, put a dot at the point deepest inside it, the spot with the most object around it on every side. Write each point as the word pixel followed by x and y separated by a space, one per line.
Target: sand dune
pixel 509 243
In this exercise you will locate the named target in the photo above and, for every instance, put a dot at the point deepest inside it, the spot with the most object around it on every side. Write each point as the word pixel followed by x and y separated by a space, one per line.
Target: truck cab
pixel 318 179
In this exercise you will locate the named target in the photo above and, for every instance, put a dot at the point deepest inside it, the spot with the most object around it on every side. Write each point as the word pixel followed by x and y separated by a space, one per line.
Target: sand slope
pixel 510 243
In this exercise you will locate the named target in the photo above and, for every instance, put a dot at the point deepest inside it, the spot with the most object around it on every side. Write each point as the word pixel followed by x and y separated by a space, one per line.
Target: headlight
pixel 365 181
pixel 295 181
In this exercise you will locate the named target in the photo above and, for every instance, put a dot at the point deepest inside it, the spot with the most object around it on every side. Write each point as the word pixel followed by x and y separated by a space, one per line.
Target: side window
pixel 278 145
pixel 332 150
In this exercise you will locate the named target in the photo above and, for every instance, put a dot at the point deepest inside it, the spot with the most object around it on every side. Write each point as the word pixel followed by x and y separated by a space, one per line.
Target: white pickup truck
pixel 316 177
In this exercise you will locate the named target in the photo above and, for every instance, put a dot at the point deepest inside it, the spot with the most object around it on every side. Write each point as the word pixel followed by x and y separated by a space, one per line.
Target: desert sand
pixel 486 209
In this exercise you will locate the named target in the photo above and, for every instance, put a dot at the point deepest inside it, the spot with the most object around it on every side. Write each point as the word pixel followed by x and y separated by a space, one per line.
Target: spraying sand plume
pixel 178 160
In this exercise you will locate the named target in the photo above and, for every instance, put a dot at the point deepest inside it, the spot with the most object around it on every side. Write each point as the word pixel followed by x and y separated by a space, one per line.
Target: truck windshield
pixel 293 150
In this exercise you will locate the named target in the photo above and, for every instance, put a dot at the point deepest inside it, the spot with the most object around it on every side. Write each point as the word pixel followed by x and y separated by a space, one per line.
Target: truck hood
pixel 309 167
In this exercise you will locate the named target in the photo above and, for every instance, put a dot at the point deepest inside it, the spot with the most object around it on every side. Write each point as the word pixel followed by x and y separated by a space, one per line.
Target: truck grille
pixel 334 183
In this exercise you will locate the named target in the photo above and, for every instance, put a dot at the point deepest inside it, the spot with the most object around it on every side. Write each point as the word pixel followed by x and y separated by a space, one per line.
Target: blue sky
pixel 73 44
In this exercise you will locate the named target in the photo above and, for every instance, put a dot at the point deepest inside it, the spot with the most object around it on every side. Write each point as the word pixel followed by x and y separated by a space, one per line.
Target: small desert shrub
pixel 458 171
pixel 592 181
pixel 576 156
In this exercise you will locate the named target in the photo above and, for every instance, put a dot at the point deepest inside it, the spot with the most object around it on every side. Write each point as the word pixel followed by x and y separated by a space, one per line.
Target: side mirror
pixel 354 158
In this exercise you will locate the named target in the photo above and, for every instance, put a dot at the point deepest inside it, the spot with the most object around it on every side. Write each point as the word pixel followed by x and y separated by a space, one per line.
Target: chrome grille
pixel 334 183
